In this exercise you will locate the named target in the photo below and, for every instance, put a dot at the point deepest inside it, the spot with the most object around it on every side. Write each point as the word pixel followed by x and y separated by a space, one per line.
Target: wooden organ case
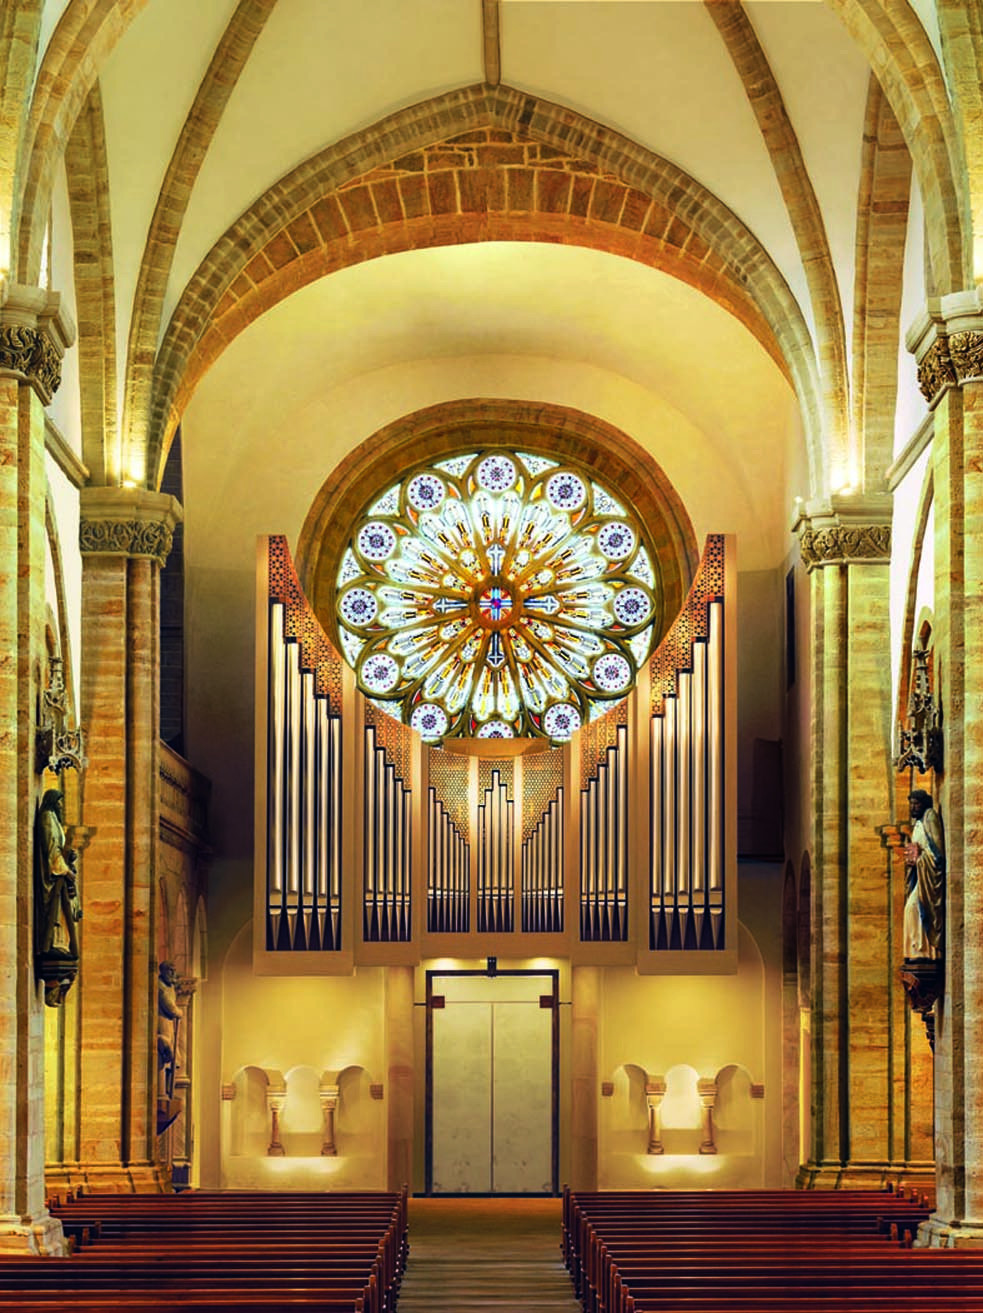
pixel 618 847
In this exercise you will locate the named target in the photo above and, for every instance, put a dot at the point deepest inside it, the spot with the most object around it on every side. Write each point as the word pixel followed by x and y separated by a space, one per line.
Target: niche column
pixel 34 333
pixel 857 1046
pixel 124 536
pixel 948 344
pixel 655 1092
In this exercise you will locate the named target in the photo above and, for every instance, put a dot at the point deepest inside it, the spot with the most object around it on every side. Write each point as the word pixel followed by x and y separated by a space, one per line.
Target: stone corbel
pixel 276 1101
pixel 35 332
pixel 328 1095
pixel 655 1092
pixel 707 1090
pixel 947 342
pixel 128 522
pixel 846 529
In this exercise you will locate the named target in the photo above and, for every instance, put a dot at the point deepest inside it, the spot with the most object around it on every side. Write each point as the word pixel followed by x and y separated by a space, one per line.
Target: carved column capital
pixel 128 522
pixel 846 530
pixel 35 331
pixel 947 342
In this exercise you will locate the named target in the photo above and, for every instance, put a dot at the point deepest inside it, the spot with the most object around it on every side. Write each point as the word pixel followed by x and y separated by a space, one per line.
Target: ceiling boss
pixel 497 595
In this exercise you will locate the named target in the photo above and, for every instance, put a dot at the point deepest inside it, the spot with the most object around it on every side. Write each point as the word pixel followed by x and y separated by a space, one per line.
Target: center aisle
pixel 471 1255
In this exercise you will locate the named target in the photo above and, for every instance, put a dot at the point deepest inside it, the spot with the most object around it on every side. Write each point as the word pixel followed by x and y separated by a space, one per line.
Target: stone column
pixel 586 998
pixel 328 1095
pixel 275 1101
pixel 948 344
pixel 707 1091
pixel 33 336
pixel 125 535
pixel 182 1133
pixel 857 1041
pixel 401 1073
pixel 655 1092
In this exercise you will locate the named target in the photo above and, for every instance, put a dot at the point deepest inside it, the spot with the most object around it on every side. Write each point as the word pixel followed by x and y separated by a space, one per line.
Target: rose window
pixel 497 595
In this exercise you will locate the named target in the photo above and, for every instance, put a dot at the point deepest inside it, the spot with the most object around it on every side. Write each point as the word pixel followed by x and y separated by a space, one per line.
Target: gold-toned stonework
pixel 838 544
pixel 949 362
pixel 966 351
pixel 935 370
pixel 30 354
pixel 126 538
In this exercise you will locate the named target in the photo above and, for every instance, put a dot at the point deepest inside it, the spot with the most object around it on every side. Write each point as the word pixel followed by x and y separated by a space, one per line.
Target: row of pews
pixel 203 1250
pixel 766 1251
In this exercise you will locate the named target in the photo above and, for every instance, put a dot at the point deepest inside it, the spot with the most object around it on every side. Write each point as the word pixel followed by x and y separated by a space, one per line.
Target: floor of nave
pixel 472 1255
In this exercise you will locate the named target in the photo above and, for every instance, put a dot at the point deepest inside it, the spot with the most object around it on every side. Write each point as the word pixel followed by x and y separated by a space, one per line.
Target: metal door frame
pixel 546 973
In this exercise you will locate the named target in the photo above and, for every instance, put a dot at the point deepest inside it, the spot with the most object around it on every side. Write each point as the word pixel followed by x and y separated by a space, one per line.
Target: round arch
pixel 559 431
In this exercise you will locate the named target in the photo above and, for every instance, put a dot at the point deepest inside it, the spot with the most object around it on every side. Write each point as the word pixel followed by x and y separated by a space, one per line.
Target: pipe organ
pixel 448 874
pixel 542 871
pixel 496 859
pixel 619 846
pixel 386 891
pixel 303 794
pixel 687 871
pixel 604 857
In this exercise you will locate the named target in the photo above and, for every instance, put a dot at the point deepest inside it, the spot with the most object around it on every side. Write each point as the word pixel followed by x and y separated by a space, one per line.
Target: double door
pixel 492 1049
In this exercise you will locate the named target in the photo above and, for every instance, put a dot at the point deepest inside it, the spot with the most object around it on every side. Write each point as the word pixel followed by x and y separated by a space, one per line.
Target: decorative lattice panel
pixel 597 737
pixel 542 777
pixel 449 781
pixel 675 652
pixel 504 770
pixel 394 738
pixel 302 625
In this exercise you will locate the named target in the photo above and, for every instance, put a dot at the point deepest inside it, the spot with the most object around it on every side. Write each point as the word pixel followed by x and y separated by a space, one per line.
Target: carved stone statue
pixel 57 906
pixel 168 1019
pixel 924 855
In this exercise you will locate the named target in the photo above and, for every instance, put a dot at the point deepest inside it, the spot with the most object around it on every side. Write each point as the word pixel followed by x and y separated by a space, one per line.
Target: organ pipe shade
pixel 303 802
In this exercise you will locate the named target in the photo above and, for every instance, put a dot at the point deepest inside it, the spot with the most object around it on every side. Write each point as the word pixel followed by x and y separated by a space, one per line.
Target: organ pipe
pixel 542 871
pixel 303 848
pixel 386 885
pixel 687 873
pixel 604 846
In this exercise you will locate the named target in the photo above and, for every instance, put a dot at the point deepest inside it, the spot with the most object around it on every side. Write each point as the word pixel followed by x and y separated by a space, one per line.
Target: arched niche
pixel 682 1111
pixel 734 1113
pixel 249 1123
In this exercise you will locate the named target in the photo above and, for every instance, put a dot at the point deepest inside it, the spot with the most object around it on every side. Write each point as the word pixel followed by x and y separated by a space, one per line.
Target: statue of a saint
pixel 924 855
pixel 58 909
pixel 168 1016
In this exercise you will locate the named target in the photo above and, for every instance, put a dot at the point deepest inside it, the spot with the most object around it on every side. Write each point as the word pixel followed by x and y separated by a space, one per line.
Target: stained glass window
pixel 497 595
